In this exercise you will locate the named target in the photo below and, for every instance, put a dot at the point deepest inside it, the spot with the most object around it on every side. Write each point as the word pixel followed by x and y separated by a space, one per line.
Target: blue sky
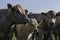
pixel 34 5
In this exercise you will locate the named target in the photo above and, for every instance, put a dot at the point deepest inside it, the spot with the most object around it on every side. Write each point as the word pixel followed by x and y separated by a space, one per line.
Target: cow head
pixel 51 16
pixel 17 14
pixel 47 18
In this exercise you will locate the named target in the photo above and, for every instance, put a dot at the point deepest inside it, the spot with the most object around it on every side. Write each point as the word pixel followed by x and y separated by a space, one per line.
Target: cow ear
pixel 42 13
pixel 9 7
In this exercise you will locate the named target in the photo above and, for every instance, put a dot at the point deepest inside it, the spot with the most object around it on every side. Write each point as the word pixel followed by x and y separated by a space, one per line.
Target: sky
pixel 35 6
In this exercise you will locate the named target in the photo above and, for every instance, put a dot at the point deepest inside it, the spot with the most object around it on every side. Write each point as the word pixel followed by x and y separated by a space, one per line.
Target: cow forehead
pixel 20 9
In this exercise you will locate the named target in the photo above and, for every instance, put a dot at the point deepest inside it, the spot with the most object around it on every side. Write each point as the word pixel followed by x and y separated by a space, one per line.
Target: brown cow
pixel 23 31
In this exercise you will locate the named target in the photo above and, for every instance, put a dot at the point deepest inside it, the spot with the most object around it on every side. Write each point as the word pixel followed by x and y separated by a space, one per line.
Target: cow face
pixel 47 19
pixel 51 16
pixel 16 14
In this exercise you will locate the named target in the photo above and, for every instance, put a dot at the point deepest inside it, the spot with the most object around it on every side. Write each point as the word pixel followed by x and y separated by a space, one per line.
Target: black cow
pixel 47 24
pixel 56 30
pixel 8 17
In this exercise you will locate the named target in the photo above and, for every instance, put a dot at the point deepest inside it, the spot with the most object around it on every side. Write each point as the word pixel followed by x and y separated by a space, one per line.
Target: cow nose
pixel 26 20
pixel 51 23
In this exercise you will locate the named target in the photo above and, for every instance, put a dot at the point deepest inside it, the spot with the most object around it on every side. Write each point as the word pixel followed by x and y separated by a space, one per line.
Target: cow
pixel 34 33
pixel 56 30
pixel 8 17
pixel 23 32
pixel 47 24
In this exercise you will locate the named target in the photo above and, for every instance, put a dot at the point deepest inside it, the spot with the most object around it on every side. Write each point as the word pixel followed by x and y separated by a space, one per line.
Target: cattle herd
pixel 42 26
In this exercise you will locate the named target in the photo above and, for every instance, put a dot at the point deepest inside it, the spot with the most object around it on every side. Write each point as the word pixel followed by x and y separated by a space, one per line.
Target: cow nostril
pixel 51 23
pixel 26 20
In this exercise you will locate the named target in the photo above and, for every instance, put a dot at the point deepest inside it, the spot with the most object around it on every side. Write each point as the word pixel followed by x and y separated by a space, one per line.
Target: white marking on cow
pixel 54 20
pixel 29 36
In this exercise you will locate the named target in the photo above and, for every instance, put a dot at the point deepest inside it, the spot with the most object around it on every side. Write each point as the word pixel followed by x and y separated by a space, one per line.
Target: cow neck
pixel 9 18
